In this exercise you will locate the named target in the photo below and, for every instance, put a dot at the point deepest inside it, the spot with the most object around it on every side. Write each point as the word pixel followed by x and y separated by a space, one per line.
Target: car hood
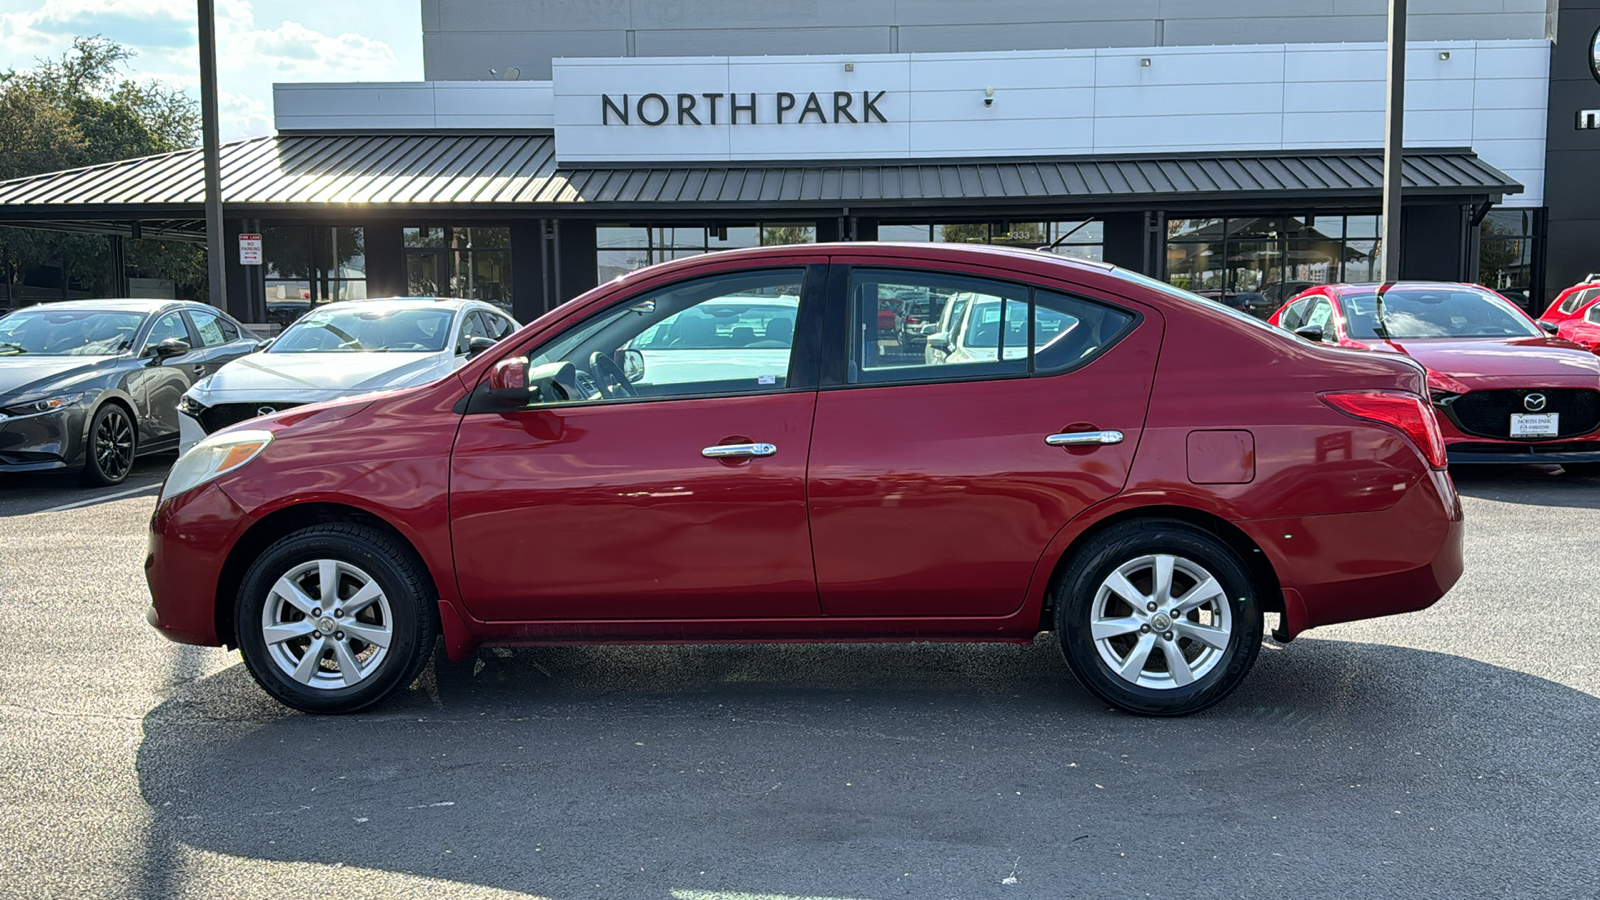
pixel 313 377
pixel 1497 357
pixel 23 375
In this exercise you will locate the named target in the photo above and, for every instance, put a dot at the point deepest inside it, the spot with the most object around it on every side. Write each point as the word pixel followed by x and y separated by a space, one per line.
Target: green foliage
pixel 972 233
pixel 82 110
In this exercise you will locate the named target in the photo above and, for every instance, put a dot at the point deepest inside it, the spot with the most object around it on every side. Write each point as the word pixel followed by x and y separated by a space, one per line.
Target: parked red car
pixel 1506 391
pixel 1147 475
pixel 1571 302
pixel 1583 326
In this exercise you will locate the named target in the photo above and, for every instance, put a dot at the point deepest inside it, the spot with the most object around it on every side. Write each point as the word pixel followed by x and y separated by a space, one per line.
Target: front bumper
pixel 190 538
pixel 43 441
pixel 1513 453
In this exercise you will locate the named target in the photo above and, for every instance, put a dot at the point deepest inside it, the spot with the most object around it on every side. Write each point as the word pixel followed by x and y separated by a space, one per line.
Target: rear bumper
pixel 1342 568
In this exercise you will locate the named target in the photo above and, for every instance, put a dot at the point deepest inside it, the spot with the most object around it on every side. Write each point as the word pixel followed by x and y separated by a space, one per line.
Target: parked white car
pixel 980 325
pixel 340 350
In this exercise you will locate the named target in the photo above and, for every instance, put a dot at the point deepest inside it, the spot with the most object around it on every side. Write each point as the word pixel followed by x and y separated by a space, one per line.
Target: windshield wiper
pixel 14 348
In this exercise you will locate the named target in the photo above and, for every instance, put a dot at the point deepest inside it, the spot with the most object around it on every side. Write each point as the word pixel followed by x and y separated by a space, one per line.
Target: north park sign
pixel 712 108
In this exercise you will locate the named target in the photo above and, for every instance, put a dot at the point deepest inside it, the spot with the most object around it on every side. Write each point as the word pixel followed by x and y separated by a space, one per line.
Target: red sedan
pixel 1507 392
pixel 1571 303
pixel 1114 467
pixel 1583 326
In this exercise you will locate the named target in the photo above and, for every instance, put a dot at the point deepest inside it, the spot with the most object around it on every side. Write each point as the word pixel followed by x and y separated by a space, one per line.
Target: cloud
pixel 250 56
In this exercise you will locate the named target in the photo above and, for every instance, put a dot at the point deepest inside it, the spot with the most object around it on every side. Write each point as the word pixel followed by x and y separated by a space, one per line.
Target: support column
pixel 1124 240
pixel 117 267
pixel 1434 244
pixel 386 259
pixel 575 258
pixel 529 283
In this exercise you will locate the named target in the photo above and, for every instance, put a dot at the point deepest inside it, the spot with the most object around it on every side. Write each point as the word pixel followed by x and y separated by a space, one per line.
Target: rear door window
pixel 988 328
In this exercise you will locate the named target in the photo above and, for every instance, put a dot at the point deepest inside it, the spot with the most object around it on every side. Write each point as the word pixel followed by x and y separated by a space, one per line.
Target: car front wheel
pixel 334 618
pixel 112 444
pixel 1158 617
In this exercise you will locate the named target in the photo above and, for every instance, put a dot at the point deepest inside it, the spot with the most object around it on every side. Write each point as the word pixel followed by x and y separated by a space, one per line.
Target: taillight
pixel 1407 413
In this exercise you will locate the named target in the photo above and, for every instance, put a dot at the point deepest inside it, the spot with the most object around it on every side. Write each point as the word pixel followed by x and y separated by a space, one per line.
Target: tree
pixel 82 110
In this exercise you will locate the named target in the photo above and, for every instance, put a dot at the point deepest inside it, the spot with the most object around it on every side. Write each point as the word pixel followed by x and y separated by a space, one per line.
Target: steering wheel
pixel 613 383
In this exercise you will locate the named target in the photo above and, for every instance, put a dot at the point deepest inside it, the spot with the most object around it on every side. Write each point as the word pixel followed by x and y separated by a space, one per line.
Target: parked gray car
pixel 91 384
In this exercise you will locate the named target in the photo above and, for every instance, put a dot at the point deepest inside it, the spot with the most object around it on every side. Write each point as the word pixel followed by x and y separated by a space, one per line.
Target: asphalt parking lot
pixel 1448 753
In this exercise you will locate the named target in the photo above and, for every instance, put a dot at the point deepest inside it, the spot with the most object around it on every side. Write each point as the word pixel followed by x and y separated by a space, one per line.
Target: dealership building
pixel 1234 148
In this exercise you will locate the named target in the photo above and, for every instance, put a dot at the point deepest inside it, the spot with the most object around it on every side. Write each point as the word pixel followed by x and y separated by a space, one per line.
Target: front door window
pixel 728 334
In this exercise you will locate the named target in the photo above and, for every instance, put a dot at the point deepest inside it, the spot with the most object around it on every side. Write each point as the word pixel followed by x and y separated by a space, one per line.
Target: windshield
pixel 68 332
pixel 1443 312
pixel 368 329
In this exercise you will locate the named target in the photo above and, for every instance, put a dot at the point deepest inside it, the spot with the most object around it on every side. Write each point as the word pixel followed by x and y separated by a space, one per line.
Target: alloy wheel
pixel 1161 621
pixel 113 444
pixel 327 624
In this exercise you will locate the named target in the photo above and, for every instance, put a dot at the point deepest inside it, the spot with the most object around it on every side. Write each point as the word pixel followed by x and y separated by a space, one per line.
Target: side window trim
pixel 183 320
pixel 197 335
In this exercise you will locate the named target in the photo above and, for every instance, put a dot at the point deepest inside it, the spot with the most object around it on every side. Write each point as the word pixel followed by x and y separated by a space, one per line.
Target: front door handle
pixel 728 451
pixel 1084 438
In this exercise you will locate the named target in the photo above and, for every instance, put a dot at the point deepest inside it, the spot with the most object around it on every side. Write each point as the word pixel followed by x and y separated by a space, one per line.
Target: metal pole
pixel 1393 142
pixel 208 134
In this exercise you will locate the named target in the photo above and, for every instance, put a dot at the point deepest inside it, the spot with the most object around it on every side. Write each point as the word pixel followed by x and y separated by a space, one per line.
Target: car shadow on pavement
pixel 1532 485
pixel 870 771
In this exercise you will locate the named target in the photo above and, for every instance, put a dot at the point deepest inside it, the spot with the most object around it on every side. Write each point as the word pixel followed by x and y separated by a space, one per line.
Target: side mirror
pixel 1312 333
pixel 1549 327
pixel 263 345
pixel 514 383
pixel 168 348
pixel 940 342
pixel 631 362
pixel 478 345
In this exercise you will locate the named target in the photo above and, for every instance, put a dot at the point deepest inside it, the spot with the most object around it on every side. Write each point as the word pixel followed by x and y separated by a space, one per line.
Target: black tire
pixel 1582 470
pixel 408 608
pixel 111 447
pixel 1236 610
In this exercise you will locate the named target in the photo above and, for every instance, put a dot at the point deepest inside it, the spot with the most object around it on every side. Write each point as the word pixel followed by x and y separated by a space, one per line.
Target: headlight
pixel 213 457
pixel 48 404
pixel 190 405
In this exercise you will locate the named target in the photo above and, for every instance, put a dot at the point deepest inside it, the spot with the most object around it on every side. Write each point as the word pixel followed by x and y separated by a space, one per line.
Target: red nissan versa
pixel 1506 392
pixel 726 448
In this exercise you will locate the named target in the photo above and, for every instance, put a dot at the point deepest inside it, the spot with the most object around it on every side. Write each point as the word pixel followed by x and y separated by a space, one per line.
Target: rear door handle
pixel 1084 438
pixel 726 451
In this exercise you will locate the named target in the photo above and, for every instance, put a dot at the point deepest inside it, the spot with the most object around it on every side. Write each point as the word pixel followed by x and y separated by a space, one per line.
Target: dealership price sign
pixel 249 249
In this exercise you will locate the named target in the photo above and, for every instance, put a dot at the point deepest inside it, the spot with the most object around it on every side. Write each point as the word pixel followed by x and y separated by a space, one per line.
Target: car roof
pixel 114 304
pixel 997 256
pixel 453 303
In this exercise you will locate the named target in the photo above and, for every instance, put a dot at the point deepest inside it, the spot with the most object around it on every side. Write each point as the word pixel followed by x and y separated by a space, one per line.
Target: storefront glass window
pixel 472 263
pixel 798 233
pixel 1506 253
pixel 1256 263
pixel 1079 238
pixel 303 267
pixel 623 248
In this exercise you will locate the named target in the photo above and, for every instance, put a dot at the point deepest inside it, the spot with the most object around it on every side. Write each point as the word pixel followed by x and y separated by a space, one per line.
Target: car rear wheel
pixel 1158 618
pixel 336 617
pixel 112 444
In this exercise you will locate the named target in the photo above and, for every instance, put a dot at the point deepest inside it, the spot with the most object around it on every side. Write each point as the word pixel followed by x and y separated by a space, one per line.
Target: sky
pixel 257 44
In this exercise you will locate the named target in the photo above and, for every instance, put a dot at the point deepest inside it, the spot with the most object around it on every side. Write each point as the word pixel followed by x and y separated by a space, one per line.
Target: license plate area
pixel 1526 425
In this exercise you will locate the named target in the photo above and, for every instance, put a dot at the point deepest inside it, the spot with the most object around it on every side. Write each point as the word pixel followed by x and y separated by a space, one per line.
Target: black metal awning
pixel 303 174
